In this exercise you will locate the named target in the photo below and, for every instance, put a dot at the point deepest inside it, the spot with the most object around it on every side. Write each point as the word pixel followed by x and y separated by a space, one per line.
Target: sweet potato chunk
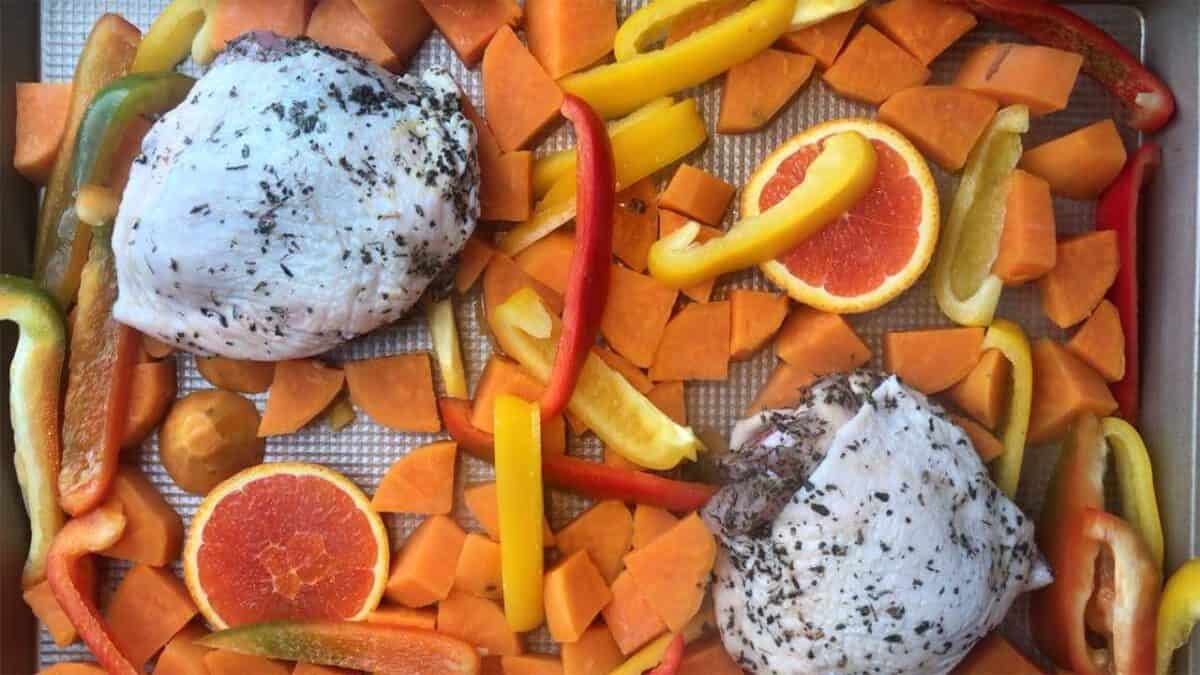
pixel 221 662
pixel 475 256
pixel 648 523
pixel 672 571
pixel 1040 77
pixel 926 28
pixel 604 532
pixel 983 393
pixel 782 389
pixel 697 194
pixel 668 222
pixel 548 260
pixel 944 122
pixel 478 569
pixel 629 615
pixel 531 664
pixel 1100 342
pixel 151 393
pixel 469 32
pixel 420 482
pixel 822 41
pixel 994 654
pixel 574 593
pixel 40 599
pixel 153 530
pixel 398 615
pixel 300 390
pixel 481 502
pixel 708 657
pixel 403 25
pixel 820 342
pixel 1080 164
pixel 635 223
pixel 695 344
pixel 502 278
pixel 478 621
pixel 182 656
pixel 569 35
pixel 872 68
pixel 149 607
pixel 1063 388
pixel 1027 247
pixel 340 24
pixel 395 391
pixel 41 124
pixel 244 377
pixel 754 318
pixel 231 18
pixel 423 573
pixel 632 373
pixel 986 444
pixel 506 186
pixel 757 89
pixel 636 315
pixel 1085 268
pixel 932 360
pixel 520 99
pixel 594 653
pixel 501 376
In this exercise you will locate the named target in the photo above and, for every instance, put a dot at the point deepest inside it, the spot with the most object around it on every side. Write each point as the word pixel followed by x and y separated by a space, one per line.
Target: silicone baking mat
pixel 364 450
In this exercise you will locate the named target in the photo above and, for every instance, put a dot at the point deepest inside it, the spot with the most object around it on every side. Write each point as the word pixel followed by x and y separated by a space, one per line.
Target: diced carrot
pixel 148 608
pixel 635 223
pixel 531 664
pixel 1027 248
pixel 519 98
pixel 395 391
pixel 1080 164
pixel 872 68
pixel 182 656
pixel 695 344
pixel 244 377
pixel 1100 342
pixel 221 662
pixel 994 654
pixel 151 393
pixel 983 393
pixel 1040 77
pixel 820 342
pixel 475 256
pixel 300 390
pixel 230 18
pixel 501 376
pixel 314 669
pixel 74 668
pixel 697 194
pixel 420 482
pixel 648 523
pixel 1085 266
pixel 754 318
pixel 984 441
pixel 595 653
pixel 481 502
pixel 672 571
pixel 632 373
pixel 932 360
pixel 629 616
pixel 668 222
pixel 478 568
pixel 41 124
pixel 569 35
pixel 944 122
pixel 708 657
pixel 127 151
pixel 40 599
pixel 340 24
pixel 668 396
pixel 502 278
pixel 399 615
pixel 549 260
pixel 782 389
pixel 422 573
pixel 157 349
pixel 636 315
pixel 926 28
pixel 478 621
pixel 1063 388
pixel 824 40
pixel 153 530
pixel 701 16
pixel 604 532
pixel 506 186
pixel 469 29
pixel 757 89
pixel 574 593
pixel 403 25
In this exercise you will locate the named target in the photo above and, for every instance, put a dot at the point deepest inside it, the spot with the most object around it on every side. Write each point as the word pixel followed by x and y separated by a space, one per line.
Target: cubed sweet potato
pixel 754 318
pixel 531 664
pixel 478 568
pixel 1063 388
pixel 983 393
pixel 697 194
pixel 985 443
pixel 1100 342
pixel 594 653
pixel 399 615
pixel 153 530
pixel 782 389
pixel 148 608
pixel 1039 77
pixel 469 29
pixel 151 393
pixel 1080 164
pixel 648 523
pixel 395 391
pixel 820 342
pixel 673 570
pixel 222 662
pixel 932 360
pixel 1084 269
pixel 926 28
pixel 41 601
pixel 340 24
pixel 635 223
pixel 300 390
pixel 41 119
pixel 872 68
pixel 995 654
pixel 548 260
pixel 422 573
pixel 574 593
pixel 944 122
pixel 475 256
pixel 636 315
pixel 520 99
pixel 182 655
pixel 420 482
pixel 822 41
pixel 244 377
pixel 479 621
pixel 403 25
pixel 695 344
pixel 757 89
pixel 604 531
pixel 1027 248
pixel 231 18
pixel 569 35
pixel 630 617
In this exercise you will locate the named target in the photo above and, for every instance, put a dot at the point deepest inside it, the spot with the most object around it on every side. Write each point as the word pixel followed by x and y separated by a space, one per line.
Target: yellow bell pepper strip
pixel 619 88
pixel 661 138
pixel 963 284
pixel 106 56
pixel 1178 613
pixel 172 36
pixel 1010 340
pixel 603 400
pixel 650 24
pixel 34 398
pixel 651 655
pixel 520 499
pixel 835 181
pixel 446 348
pixel 1135 482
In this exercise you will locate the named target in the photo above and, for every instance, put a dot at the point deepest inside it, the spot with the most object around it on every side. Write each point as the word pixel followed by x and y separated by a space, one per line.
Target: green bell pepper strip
pixel 35 397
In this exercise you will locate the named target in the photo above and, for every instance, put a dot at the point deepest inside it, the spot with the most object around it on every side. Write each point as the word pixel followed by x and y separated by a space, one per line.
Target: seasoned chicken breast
pixel 862 534
pixel 300 197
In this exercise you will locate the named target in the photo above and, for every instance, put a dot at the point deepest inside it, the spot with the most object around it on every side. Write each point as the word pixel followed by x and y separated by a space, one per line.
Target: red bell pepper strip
pixel 1118 211
pixel 80 537
pixel 587 280
pixel 672 659
pixel 1147 98
pixel 598 481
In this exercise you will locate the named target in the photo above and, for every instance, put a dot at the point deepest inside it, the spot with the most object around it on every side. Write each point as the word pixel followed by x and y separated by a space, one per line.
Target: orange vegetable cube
pixel 1063 388
pixel 1027 248
pixel 475 256
pixel 636 315
pixel 701 16
pixel 153 530
pixel 519 98
pixel 872 68
pixel 299 391
pixel 944 122
pixel 148 608
pixel 648 523
pixel 403 25
pixel 478 621
pixel 182 655
pixel 668 222
pixel 531 664
pixel 932 360
pixel 1080 164
pixel 604 532
pixel 926 28
pixel 1100 342
pixel 502 278
pixel 421 574
pixel 231 18
pixel 635 223
pixel 244 377
pixel 1085 268
pixel 708 657
pixel 549 260
pixel 983 393
pixel 630 617
pixel 820 342
pixel 668 396
pixel 569 35
pixel 395 391
pixel 340 24
pixel 501 376
pixel 49 613
pixel 41 124
pixel 632 373
pixel 697 194
pixel 822 41
pixel 221 662
pixel 985 443
pixel 672 571
pixel 757 89
pixel 782 389
pixel 595 653
pixel 478 568
pixel 754 318
pixel 420 482
pixel 469 32
pixel 574 593
pixel 485 140
pixel 398 615
pixel 1040 77
pixel 995 654
pixel 506 186
pixel 695 344
pixel 481 502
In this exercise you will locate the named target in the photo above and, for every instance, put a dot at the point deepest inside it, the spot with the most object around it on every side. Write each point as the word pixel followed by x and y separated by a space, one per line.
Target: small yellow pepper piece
pixel 444 332
pixel 172 35
pixel 1008 337
pixel 340 414
pixel 835 181
pixel 1135 481
pixel 1178 612
pixel 603 400
pixel 650 24
pixel 619 88
pixel 520 501
pixel 652 654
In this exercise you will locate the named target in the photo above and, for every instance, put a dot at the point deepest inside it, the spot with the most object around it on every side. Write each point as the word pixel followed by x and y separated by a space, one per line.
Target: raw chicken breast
pixel 300 197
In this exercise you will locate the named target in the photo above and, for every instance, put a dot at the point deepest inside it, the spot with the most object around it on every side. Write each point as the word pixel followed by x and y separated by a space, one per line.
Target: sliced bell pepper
pixel 603 400
pixel 590 479
pixel 1118 211
pixel 1135 481
pixel 1147 98
pixel 1010 340
pixel 79 538
pixel 619 88
pixel 965 288
pixel 1178 613
pixel 659 140
pixel 587 279
pixel 835 181
pixel 446 347
pixel 649 25
pixel 34 398
pixel 172 36
pixel 520 498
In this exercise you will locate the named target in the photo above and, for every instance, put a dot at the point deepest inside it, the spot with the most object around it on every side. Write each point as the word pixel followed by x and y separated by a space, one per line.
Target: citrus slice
pixel 874 251
pixel 285 541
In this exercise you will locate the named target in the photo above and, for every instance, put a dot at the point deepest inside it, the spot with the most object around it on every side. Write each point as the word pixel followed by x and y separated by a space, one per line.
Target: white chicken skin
pixel 298 198
pixel 861 533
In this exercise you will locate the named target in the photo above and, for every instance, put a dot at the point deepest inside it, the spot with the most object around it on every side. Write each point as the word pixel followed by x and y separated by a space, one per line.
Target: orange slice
pixel 285 541
pixel 873 252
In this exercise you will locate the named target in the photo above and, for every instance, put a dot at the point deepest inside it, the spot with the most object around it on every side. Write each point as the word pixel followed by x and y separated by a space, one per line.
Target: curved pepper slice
pixel 619 88
pixel 173 36
pixel 520 498
pixel 1008 337
pixel 1135 481
pixel 603 400
pixel 963 284
pixel 35 396
pixel 835 181
pixel 1178 613
pixel 672 658
pixel 650 24
pixel 443 331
